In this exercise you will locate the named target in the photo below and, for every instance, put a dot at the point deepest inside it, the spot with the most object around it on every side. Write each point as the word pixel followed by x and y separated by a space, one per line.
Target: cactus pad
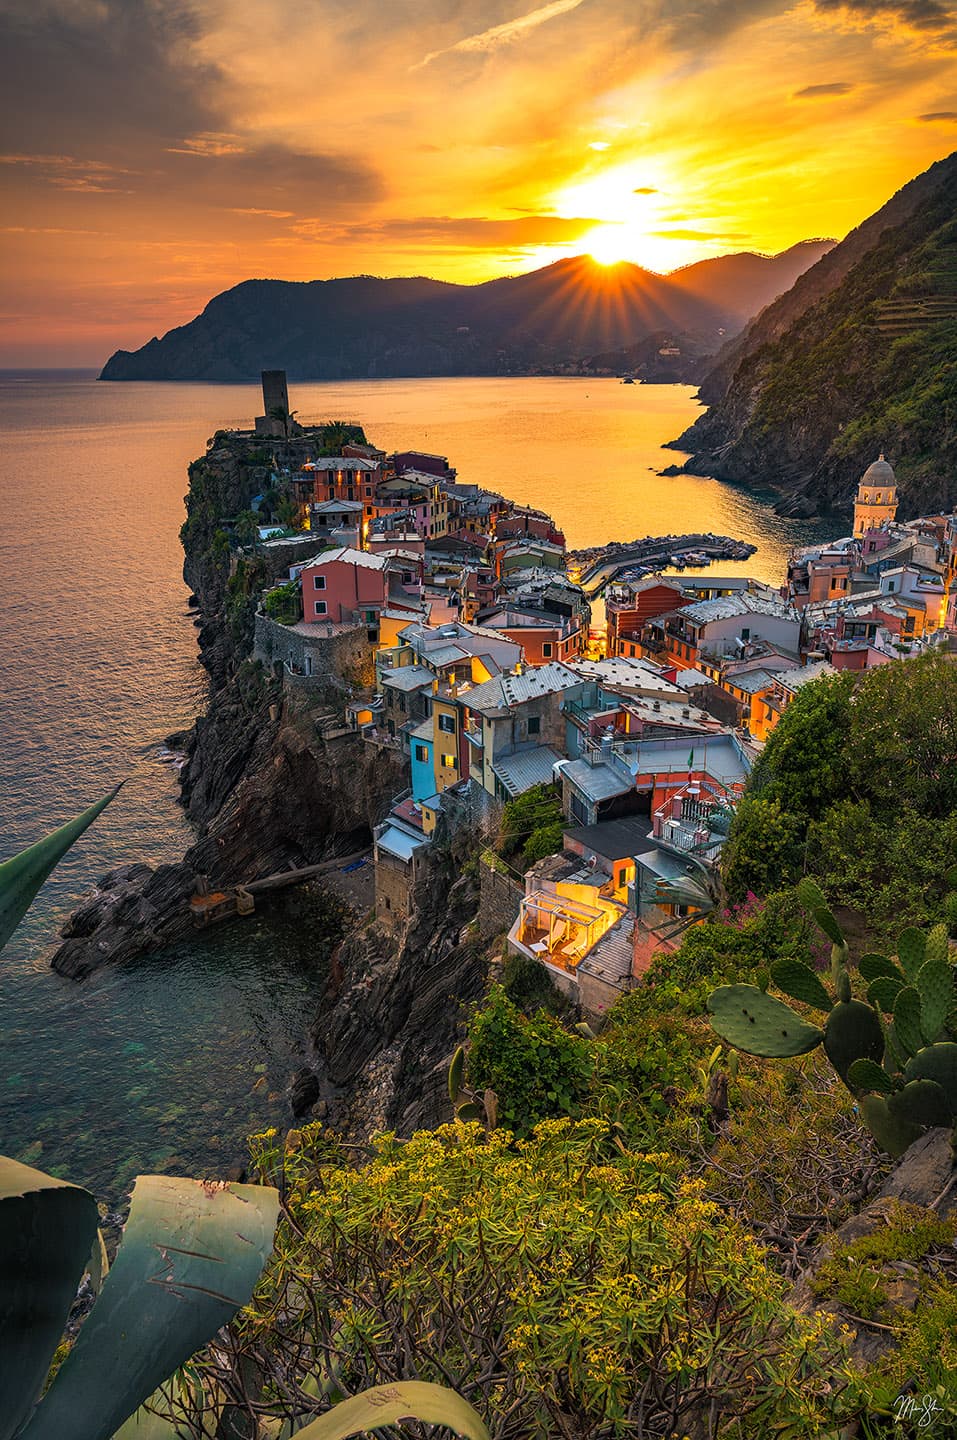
pixel 868 1075
pixel 937 1062
pixel 892 1132
pixel 812 897
pixel 852 1032
pixel 800 982
pixel 758 1024
pixel 935 986
pixel 829 925
pixel 873 967
pixel 907 1020
pixel 911 948
pixel 938 945
pixel 922 1102
pixel 884 991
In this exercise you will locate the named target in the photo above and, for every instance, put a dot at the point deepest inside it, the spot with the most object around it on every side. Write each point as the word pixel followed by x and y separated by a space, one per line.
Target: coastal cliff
pixel 263 785
pixel 856 358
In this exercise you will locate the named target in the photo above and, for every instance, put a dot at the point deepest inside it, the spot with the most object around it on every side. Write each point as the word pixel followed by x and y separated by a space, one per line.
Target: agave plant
pixel 896 1053
pixel 22 876
pixel 191 1254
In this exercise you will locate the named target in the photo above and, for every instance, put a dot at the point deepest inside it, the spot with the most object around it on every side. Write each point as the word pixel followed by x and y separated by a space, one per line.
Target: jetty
pixel 597 566
pixel 208 907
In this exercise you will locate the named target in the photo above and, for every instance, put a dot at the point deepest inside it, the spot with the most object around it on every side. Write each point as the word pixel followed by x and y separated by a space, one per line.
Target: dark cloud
pixel 938 117
pixel 923 15
pixel 120 80
pixel 471 231
pixel 819 92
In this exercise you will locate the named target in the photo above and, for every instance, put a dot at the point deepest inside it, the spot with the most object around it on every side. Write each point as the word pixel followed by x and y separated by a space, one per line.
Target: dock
pixel 599 565
pixel 208 907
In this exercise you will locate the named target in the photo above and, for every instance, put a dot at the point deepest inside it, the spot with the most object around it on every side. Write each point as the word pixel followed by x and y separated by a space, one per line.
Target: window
pixel 547 648
pixel 318 582
pixel 422 754
pixel 448 762
pixel 746 633
pixel 534 725
pixel 321 607
pixel 579 810
pixel 447 724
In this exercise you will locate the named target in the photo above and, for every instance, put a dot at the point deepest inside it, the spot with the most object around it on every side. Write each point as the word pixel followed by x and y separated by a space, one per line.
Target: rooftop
pixel 523 769
pixel 407 677
pixel 743 602
pixel 345 555
pixel 614 839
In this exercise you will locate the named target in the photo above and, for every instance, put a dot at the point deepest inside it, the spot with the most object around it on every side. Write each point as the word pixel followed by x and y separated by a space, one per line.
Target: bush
pixel 536 1068
pixel 536 809
pixel 561 1286
pixel 545 840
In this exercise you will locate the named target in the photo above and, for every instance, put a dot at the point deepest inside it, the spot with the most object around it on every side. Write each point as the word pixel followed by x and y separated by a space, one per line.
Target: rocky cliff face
pixel 262 785
pixel 856 358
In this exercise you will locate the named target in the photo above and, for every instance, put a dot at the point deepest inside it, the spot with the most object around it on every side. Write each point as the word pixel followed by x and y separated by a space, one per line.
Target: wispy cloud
pixel 820 92
pixel 505 34
pixel 939 117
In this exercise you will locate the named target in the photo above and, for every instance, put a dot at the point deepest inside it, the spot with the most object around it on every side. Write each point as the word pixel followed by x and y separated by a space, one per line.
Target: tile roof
pixel 407 677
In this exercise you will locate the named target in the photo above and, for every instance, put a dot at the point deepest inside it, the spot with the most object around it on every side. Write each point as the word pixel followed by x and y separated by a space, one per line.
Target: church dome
pixel 879 473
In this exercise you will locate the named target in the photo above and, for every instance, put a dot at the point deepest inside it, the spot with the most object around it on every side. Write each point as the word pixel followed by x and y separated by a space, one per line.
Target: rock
pixel 236 1173
pixel 303 1091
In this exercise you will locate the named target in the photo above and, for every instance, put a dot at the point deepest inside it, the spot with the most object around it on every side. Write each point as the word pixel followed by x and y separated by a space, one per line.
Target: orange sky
pixel 158 151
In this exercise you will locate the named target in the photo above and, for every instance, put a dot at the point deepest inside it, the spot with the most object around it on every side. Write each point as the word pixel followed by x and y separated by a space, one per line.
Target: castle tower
pixel 876 501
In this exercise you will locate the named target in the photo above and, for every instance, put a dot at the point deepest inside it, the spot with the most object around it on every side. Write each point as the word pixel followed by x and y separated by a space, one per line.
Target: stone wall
pixel 500 899
pixel 337 653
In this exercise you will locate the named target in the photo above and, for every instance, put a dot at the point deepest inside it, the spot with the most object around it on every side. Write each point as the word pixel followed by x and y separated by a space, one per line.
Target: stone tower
pixel 876 500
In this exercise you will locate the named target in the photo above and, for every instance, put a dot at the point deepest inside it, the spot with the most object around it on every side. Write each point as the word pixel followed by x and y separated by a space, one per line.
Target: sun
pixel 610 244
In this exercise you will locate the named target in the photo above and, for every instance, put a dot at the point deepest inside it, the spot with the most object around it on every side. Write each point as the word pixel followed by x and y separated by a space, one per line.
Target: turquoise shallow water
pixel 168 1063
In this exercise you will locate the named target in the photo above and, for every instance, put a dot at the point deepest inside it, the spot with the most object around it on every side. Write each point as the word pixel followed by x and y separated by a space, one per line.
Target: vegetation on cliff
pixel 833 373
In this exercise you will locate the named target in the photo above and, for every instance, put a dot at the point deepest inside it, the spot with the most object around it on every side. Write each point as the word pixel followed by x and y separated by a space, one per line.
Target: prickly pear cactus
pixel 866 1075
pixel 893 1133
pixel 923 1102
pixel 911 951
pixel 907 1020
pixel 939 1063
pixel 758 1024
pixel 800 982
pixel 873 967
pixel 935 986
pixel 852 1032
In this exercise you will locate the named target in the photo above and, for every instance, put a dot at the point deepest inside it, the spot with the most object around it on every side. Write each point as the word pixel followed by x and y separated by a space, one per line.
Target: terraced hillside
pixel 857 358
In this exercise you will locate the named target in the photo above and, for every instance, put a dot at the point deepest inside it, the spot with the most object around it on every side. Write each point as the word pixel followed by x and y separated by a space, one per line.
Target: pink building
pixel 344 586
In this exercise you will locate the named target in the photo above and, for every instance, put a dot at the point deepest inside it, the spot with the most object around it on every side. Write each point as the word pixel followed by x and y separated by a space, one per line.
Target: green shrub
pixel 536 1068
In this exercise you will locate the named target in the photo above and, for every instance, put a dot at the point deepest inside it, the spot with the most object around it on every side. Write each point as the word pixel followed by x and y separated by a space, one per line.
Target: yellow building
pixel 876 501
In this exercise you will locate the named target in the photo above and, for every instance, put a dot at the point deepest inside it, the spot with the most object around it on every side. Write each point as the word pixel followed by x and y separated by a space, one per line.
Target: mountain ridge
pixel 369 326
pixel 858 356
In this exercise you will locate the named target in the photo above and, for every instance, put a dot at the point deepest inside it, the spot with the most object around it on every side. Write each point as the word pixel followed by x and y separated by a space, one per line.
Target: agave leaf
pixel 389 1404
pixel 470 1111
pixel 98 1264
pixel 191 1254
pixel 47 1230
pixel 684 891
pixel 22 876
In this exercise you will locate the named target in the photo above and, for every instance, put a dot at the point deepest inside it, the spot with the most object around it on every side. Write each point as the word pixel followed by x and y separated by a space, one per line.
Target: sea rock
pixel 303 1091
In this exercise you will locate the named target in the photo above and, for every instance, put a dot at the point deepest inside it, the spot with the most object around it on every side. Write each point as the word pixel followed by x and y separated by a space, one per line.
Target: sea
pixel 167 1063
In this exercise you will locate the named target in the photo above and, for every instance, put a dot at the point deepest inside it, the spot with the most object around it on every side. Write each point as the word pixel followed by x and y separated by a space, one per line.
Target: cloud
pixel 645 190
pixel 699 234
pixel 208 144
pixel 924 16
pixel 819 92
pixel 506 34
pixel 939 117
pixel 68 172
pixel 470 231
pixel 254 210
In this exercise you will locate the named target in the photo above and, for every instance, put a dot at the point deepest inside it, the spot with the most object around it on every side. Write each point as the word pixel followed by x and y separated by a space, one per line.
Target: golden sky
pixel 155 152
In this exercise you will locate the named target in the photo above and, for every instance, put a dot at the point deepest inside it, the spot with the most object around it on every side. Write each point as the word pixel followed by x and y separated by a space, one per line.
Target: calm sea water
pixel 166 1064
